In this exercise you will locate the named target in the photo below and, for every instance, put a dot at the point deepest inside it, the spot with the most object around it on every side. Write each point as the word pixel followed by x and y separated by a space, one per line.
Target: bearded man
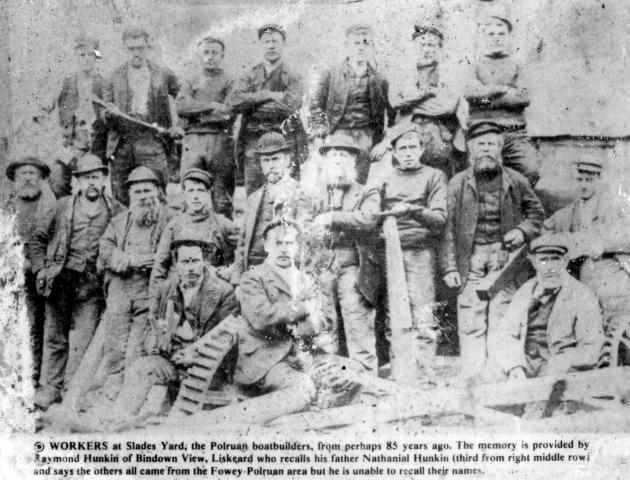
pixel 30 199
pixel 491 209
pixel 126 254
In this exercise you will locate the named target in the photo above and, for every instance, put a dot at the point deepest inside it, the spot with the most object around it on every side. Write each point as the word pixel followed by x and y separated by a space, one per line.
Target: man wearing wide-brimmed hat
pixel 31 198
pixel 64 254
pixel 126 255
pixel 266 96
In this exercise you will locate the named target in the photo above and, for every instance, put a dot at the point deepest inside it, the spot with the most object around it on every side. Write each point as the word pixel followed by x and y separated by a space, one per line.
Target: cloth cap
pixel 28 160
pixel 89 163
pixel 142 174
pixel 191 241
pixel 272 27
pixel 591 165
pixel 212 40
pixel 340 141
pixel 502 18
pixel 360 29
pixel 481 128
pixel 281 222
pixel 419 30
pixel 84 41
pixel 400 129
pixel 271 142
pixel 199 175
pixel 552 243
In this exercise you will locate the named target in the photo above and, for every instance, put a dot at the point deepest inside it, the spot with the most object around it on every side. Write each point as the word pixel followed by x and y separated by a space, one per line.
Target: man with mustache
pixel 31 198
pixel 198 215
pixel 490 209
pixel 126 255
pixel 266 96
pixel 64 254
pixel 207 143
pixel 344 231
pixel 280 197
pixel 554 323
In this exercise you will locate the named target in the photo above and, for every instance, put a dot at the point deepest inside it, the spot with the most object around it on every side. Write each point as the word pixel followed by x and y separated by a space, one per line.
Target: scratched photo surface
pixel 305 216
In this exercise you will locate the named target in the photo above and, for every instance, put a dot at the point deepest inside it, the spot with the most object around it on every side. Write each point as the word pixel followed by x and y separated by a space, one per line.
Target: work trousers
pixel 139 149
pixel 478 320
pixel 520 154
pixel 35 313
pixel 125 320
pixel 340 288
pixel 214 153
pixel 73 310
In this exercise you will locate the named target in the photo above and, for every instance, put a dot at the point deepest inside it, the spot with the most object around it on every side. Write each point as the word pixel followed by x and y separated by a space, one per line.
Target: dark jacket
pixel 520 208
pixel 116 90
pixel 331 96
pixel 68 100
pixel 51 241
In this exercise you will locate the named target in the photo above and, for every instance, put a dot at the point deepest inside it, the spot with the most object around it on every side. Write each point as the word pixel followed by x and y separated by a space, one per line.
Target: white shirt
pixel 139 82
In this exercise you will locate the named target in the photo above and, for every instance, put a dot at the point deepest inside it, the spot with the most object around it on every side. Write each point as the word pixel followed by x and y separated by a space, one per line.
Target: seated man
pixel 554 323
pixel 182 310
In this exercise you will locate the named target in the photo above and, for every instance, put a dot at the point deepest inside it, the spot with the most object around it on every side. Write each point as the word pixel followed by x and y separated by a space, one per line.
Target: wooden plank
pixel 495 280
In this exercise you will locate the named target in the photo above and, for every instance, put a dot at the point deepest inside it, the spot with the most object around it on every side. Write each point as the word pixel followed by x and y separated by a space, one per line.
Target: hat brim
pixel 77 173
pixel 269 151
pixel 13 166
pixel 325 148
pixel 190 243
pixel 142 180
pixel 551 249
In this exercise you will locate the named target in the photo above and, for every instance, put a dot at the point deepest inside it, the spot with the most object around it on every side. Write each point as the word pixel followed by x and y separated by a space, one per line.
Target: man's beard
pixel 146 214
pixel 487 165
pixel 27 191
pixel 340 177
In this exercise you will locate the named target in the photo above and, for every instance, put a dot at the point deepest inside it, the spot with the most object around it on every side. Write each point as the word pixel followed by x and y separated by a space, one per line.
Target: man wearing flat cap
pixel 491 209
pixel 207 142
pixel 198 215
pixel 354 96
pixel 597 230
pixel 280 197
pixel 554 323
pixel 343 238
pixel 126 256
pixel 436 106
pixel 496 92
pixel 267 95
pixel 141 89
pixel 64 255
pixel 30 199
pixel 182 310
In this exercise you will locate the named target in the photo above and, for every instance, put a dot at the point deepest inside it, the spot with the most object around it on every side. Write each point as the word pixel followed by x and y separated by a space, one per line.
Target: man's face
pixel 27 179
pixel 137 51
pixel 274 165
pixel 549 268
pixel 189 264
pixel 273 45
pixel 428 49
pixel 359 47
pixel 85 59
pixel 91 184
pixel 210 54
pixel 497 37
pixel 339 167
pixel 408 151
pixel 586 184
pixel 281 246
pixel 196 196
pixel 485 152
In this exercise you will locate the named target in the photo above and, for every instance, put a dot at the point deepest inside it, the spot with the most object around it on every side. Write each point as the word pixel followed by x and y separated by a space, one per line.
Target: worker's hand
pixel 402 207
pixel 497 90
pixel 323 220
pixel 175 132
pixel 453 280
pixel 514 239
pixel 517 373
pixel 379 150
pixel 141 261
pixel 184 357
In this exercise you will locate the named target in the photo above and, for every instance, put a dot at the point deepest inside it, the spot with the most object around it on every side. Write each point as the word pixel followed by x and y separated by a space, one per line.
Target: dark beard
pixel 144 216
pixel 28 192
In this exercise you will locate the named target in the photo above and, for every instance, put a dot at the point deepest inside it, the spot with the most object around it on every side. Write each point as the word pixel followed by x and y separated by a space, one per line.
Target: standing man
pixel 141 89
pixel 597 231
pixel 345 221
pixel 280 197
pixel 31 199
pixel 554 323
pixel 266 96
pixel 126 255
pixel 208 141
pixel 354 96
pixel 63 257
pixel 416 194
pixel 200 217
pixel 496 93
pixel 491 209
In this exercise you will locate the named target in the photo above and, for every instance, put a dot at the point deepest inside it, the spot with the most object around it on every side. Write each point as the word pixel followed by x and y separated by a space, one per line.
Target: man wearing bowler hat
pixel 554 323
pixel 64 253
pixel 490 210
pixel 31 198
pixel 126 255
pixel 266 96
pixel 280 197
